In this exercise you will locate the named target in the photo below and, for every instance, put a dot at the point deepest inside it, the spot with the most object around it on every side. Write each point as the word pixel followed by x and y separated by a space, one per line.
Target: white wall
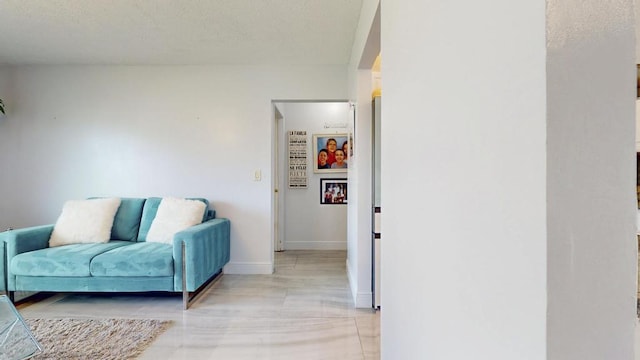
pixel 152 131
pixel 308 224
pixel 6 176
pixel 463 181
pixel 495 240
pixel 5 94
pixel 591 204
pixel 365 48
pixel 359 260
pixel 637 32
pixel 636 4
pixel 5 86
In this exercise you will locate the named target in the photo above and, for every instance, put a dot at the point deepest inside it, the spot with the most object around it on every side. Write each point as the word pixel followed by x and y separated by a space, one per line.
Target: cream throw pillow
pixel 84 221
pixel 174 215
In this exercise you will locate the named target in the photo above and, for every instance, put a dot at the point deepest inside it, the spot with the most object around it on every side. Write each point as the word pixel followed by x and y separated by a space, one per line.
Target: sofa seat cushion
pixel 67 260
pixel 140 259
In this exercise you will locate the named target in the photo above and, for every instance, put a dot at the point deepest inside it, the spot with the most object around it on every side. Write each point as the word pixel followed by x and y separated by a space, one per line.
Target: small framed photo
pixel 333 191
pixel 330 153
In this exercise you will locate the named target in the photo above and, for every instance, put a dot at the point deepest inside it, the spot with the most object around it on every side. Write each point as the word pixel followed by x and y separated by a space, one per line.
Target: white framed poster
pixel 298 159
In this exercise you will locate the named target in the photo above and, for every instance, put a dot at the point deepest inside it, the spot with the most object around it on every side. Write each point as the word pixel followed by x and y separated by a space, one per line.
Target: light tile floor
pixel 303 311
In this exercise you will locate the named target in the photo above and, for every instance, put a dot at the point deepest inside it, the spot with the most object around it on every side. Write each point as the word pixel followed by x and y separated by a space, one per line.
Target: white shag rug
pixel 94 338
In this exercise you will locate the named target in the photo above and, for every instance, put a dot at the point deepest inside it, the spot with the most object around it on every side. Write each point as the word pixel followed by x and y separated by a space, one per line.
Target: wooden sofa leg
pixel 187 297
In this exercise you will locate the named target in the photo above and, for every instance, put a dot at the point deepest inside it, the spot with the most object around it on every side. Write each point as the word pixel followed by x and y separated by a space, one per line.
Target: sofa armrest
pixel 27 239
pixel 207 248
pixel 19 241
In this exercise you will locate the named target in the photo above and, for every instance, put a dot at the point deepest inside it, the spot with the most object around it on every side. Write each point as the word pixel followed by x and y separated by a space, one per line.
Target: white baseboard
pixel 249 268
pixel 362 300
pixel 315 245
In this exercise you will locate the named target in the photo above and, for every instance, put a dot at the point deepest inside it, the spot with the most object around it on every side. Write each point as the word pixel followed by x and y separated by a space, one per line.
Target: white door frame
pixel 278 181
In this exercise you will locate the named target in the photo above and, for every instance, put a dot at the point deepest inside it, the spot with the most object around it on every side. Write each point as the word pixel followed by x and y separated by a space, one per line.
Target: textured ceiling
pixel 177 31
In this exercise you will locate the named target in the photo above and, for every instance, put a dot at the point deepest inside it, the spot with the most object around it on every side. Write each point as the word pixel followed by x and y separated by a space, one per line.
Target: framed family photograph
pixel 330 153
pixel 333 191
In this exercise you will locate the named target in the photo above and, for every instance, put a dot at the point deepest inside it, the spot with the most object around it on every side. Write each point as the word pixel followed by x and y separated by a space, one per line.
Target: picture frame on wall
pixel 330 153
pixel 334 191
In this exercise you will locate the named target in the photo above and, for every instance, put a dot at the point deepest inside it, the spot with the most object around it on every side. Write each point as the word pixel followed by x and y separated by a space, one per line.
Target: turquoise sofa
pixel 127 263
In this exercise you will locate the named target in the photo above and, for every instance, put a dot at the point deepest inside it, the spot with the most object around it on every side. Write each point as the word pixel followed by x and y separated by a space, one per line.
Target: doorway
pixel 304 218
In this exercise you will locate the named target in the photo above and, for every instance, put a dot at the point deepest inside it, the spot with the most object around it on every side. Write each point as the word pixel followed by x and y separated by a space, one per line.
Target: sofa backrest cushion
pixel 149 213
pixel 126 224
